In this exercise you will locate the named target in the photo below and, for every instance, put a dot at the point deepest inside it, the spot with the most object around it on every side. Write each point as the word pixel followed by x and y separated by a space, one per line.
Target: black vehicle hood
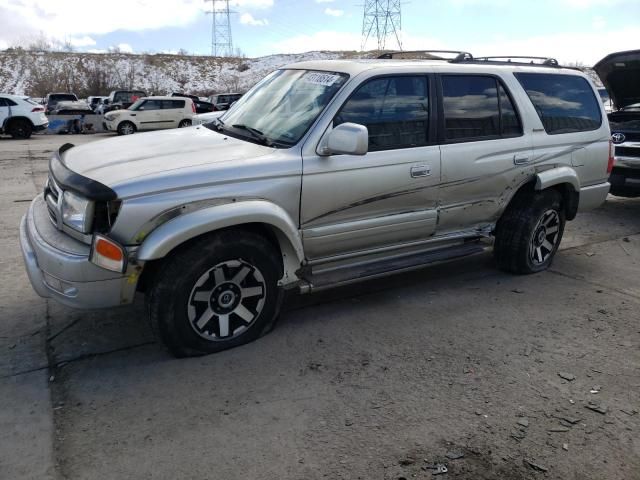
pixel 620 74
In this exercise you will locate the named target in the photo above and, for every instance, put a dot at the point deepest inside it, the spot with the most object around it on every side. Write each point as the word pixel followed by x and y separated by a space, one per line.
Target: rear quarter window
pixel 564 103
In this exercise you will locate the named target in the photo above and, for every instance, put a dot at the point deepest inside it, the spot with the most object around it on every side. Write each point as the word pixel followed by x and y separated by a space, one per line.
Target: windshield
pixel 282 107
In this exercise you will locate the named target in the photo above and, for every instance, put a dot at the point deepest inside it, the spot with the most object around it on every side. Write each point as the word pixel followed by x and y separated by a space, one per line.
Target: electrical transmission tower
pixel 221 40
pixel 382 19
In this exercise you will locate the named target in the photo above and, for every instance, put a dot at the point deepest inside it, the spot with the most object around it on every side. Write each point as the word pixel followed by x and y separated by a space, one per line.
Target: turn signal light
pixel 107 254
pixel 612 158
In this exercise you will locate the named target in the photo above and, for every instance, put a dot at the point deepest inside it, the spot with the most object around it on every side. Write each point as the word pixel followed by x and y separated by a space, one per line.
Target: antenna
pixel 221 40
pixel 382 18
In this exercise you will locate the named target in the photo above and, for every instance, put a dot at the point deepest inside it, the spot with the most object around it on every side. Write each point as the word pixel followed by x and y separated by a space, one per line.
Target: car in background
pixel 201 105
pixel 205 118
pixel 620 74
pixel 151 113
pixel 72 108
pixel 606 100
pixel 223 101
pixel 121 99
pixel 52 99
pixel 20 116
pixel 95 101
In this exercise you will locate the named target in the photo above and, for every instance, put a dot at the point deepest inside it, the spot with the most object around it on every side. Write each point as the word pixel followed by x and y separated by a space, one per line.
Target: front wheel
pixel 220 292
pixel 126 128
pixel 529 233
pixel 184 123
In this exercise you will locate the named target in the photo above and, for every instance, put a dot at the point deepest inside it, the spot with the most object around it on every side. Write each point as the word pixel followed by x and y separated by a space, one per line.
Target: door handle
pixel 133 114
pixel 420 171
pixel 520 159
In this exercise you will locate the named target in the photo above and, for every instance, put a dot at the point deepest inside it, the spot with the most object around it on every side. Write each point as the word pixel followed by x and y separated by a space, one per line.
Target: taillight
pixel 612 158
pixel 193 107
pixel 37 109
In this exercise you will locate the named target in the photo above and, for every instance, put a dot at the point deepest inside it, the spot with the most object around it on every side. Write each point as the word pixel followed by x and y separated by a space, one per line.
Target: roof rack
pixel 514 60
pixel 458 56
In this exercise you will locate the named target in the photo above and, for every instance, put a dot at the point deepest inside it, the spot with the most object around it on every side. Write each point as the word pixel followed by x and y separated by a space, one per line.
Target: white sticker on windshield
pixel 325 79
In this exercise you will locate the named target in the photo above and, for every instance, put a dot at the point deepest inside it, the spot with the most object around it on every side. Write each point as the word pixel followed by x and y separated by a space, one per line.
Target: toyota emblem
pixel 618 138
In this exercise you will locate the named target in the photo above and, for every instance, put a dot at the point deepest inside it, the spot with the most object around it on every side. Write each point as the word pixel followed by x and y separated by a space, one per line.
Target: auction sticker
pixel 325 79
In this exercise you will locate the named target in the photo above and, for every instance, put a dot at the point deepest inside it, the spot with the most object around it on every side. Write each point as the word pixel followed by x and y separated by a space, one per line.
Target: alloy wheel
pixel 545 237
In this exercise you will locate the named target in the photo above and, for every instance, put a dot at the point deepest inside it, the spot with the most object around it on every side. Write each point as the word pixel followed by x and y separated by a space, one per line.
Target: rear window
pixel 565 103
pixel 62 98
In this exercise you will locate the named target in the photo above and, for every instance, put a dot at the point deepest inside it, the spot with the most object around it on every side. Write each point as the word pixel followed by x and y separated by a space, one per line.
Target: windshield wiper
pixel 255 133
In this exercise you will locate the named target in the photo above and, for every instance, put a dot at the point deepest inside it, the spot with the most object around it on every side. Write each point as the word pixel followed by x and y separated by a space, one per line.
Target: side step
pixel 379 268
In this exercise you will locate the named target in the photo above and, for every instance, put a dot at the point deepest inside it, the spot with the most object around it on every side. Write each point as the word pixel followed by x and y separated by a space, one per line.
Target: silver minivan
pixel 324 174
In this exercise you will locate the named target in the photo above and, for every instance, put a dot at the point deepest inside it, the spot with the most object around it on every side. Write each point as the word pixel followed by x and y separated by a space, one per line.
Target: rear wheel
pixel 529 233
pixel 220 292
pixel 184 123
pixel 20 128
pixel 126 128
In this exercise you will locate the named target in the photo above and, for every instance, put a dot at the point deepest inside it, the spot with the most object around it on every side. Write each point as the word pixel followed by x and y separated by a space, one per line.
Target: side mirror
pixel 347 139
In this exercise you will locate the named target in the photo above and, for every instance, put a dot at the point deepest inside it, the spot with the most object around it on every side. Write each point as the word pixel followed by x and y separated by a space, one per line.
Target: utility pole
pixel 382 18
pixel 221 40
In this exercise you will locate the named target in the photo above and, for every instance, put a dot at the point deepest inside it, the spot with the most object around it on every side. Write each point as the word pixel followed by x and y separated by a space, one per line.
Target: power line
pixel 221 39
pixel 382 19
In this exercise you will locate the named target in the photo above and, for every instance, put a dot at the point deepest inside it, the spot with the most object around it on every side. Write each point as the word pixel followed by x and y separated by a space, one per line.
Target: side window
pixel 172 104
pixel 151 105
pixel 471 110
pixel 395 110
pixel 3 102
pixel 565 103
pixel 510 122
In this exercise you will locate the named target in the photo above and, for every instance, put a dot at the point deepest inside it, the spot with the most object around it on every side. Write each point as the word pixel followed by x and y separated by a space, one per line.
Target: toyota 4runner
pixel 325 173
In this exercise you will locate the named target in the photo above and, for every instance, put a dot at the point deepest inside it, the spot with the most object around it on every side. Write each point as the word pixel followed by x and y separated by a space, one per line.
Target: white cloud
pixel 85 41
pixel 334 12
pixel 125 48
pixel 247 19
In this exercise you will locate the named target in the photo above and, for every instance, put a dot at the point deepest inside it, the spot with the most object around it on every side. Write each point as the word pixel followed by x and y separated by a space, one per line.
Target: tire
pixel 20 128
pixel 126 128
pixel 219 292
pixel 184 123
pixel 529 233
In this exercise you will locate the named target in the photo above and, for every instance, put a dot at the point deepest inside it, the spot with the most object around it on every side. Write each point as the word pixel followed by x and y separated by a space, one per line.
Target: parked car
pixel 20 116
pixel 325 173
pixel 223 101
pixel 121 99
pixel 102 106
pixel 52 99
pixel 620 74
pixel 71 108
pixel 203 118
pixel 606 100
pixel 201 105
pixel 151 113
pixel 95 101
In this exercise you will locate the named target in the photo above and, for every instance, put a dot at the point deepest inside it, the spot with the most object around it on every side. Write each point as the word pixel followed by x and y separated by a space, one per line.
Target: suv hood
pixel 138 161
pixel 620 74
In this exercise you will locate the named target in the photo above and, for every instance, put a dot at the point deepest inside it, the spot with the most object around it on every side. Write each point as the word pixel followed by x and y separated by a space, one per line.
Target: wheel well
pixel 570 198
pixel 152 267
pixel 12 120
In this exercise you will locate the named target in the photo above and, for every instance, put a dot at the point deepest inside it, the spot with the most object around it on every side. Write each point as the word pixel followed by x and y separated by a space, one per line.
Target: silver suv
pixel 325 173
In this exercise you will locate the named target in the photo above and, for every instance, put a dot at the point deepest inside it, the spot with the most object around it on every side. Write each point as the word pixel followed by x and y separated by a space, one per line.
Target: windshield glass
pixel 282 107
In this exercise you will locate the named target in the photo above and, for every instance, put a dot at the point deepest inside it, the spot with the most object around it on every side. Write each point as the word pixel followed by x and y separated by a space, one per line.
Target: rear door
pixel 484 150
pixel 172 113
pixel 388 196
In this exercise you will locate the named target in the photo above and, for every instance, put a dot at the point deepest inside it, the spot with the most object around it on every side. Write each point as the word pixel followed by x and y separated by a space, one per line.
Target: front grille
pixel 52 196
pixel 629 136
pixel 628 152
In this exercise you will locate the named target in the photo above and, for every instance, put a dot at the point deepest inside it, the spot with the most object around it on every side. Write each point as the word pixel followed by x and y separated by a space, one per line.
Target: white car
pixel 21 116
pixel 202 118
pixel 151 113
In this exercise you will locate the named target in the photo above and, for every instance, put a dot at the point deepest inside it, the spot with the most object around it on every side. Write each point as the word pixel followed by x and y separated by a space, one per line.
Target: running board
pixel 380 268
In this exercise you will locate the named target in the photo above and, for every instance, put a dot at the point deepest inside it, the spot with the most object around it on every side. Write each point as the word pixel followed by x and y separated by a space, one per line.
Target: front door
pixel 148 115
pixel 386 197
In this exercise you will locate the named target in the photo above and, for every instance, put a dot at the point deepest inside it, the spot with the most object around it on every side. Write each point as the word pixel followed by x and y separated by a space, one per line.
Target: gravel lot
pixel 495 376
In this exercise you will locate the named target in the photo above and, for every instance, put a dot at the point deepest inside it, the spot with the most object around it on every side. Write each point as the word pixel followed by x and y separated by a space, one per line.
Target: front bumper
pixel 593 196
pixel 625 177
pixel 58 266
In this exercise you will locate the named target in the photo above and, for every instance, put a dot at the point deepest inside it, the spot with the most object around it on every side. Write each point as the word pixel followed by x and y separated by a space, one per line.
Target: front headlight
pixel 77 212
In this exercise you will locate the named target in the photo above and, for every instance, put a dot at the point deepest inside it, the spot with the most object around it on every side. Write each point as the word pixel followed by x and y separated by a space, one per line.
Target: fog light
pixel 107 254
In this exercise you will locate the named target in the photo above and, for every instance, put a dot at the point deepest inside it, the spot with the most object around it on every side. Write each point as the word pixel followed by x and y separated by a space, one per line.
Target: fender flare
pixel 178 230
pixel 557 176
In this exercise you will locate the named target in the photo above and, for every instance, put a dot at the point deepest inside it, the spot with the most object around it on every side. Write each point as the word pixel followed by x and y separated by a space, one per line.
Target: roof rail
pixel 454 55
pixel 515 60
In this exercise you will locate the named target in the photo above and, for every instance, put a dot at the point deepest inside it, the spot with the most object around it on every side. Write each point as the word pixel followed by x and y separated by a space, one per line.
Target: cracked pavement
pixel 378 380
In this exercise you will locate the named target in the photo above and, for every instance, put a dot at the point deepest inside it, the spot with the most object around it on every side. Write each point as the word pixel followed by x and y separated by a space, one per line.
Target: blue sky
pixel 571 30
